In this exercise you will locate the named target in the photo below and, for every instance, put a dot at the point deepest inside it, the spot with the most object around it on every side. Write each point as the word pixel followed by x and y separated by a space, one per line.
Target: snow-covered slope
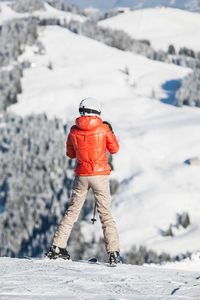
pixel 82 67
pixel 162 26
pixel 40 279
pixel 7 13
pixel 155 138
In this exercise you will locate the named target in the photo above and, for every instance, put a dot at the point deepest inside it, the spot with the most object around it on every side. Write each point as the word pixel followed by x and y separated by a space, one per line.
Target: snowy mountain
pixel 192 5
pixel 162 26
pixel 155 187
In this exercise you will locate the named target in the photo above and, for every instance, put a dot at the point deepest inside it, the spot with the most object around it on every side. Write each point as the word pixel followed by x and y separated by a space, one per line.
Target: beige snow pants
pixel 101 189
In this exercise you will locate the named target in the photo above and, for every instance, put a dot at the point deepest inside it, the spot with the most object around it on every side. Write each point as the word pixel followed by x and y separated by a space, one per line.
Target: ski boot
pixel 57 252
pixel 113 258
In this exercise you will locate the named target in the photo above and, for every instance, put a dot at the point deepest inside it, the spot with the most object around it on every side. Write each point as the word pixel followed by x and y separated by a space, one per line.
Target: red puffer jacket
pixel 88 141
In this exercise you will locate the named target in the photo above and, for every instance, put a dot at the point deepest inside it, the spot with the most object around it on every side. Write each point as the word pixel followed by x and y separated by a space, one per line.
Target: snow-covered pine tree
pixel 189 92
pixel 22 6
pixel 14 35
pixel 62 5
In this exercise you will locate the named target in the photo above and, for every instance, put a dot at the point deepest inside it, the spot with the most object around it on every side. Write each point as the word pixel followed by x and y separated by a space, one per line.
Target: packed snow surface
pixel 39 279
pixel 155 137
pixel 162 26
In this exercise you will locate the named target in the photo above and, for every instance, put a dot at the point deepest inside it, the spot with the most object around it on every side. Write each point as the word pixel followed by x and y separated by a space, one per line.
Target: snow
pixel 162 26
pixel 100 4
pixel 155 138
pixel 7 13
pixel 192 264
pixel 41 279
pixel 92 11
pixel 102 69
pixel 51 12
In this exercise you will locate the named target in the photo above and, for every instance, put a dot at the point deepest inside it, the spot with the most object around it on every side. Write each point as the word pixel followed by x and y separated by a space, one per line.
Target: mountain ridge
pixel 104 5
pixel 191 5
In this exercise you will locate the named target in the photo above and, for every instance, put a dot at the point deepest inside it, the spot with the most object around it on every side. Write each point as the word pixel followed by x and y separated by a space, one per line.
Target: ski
pixel 93 260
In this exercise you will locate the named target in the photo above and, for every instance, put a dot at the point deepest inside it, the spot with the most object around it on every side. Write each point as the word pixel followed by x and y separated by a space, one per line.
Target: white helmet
pixel 89 107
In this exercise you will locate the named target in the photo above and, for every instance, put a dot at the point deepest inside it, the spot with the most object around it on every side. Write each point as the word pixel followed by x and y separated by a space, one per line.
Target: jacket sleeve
pixel 111 142
pixel 70 148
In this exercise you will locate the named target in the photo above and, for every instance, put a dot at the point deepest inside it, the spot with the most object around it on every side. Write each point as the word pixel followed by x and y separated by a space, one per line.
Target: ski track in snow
pixel 41 279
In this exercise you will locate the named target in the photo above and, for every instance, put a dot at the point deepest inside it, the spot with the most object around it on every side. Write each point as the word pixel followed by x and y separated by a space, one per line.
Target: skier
pixel 88 142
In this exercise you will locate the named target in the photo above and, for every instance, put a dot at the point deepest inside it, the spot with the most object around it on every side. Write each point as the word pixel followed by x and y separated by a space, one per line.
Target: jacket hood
pixel 88 123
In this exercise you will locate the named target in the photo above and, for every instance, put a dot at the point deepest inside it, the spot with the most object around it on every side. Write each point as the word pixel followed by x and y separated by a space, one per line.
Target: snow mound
pixel 162 26
pixel 33 279
pixel 192 264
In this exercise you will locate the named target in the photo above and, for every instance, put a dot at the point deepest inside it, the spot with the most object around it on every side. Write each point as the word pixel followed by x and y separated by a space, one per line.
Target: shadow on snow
pixel 171 87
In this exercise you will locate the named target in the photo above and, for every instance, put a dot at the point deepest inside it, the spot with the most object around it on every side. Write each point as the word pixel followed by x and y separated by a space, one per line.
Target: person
pixel 88 142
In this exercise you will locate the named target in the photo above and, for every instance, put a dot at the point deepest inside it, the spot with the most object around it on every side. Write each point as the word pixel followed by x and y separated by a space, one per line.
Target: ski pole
pixel 94 219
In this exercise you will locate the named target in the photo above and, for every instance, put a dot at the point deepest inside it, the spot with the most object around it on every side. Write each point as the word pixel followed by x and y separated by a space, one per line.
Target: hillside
pixel 155 138
pixel 34 279
pixel 154 188
pixel 162 26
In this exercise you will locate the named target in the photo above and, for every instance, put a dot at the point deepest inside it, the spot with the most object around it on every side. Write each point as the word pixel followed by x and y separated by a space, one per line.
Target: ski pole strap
pixel 94 213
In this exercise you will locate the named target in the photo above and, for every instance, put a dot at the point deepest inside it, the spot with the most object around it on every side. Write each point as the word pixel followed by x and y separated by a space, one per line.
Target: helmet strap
pixel 89 111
